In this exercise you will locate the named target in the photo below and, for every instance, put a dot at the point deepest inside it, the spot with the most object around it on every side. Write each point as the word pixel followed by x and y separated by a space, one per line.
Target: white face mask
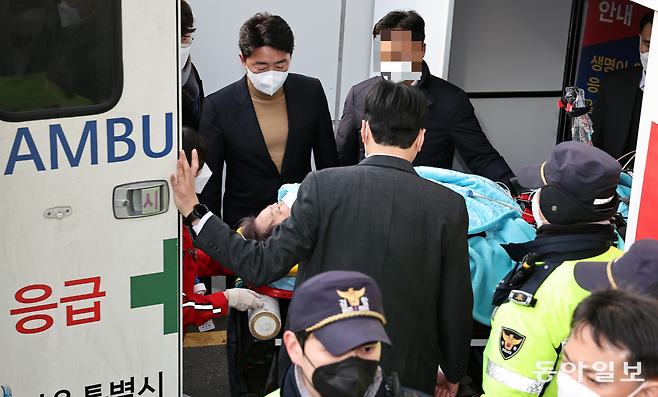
pixel 201 179
pixel 644 58
pixel 399 71
pixel 569 387
pixel 289 199
pixel 184 54
pixel 536 211
pixel 267 82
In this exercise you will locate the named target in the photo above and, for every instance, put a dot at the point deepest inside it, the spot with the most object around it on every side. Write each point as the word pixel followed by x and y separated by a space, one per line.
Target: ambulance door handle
pixel 140 199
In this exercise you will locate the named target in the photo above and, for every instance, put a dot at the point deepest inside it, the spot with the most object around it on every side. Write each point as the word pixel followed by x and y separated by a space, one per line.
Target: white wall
pixel 509 45
pixel 512 45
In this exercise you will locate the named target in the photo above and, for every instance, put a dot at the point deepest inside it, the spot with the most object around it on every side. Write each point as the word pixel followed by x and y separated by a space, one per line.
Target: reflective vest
pixel 526 342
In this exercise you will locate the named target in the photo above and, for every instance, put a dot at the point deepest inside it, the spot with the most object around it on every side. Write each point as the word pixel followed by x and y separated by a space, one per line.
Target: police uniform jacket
pixel 525 343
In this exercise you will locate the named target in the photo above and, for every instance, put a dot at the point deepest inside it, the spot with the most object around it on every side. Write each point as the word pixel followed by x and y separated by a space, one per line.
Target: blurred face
pixel 314 355
pixel 583 354
pixel 645 38
pixel 271 216
pixel 401 58
pixel 266 58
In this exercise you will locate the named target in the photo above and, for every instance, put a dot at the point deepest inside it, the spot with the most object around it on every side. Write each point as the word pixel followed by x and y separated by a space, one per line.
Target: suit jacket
pixel 382 219
pixel 232 133
pixel 189 119
pixel 613 110
pixel 451 123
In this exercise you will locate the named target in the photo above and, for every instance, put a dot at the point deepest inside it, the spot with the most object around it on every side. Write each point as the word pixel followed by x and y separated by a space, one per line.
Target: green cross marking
pixel 156 288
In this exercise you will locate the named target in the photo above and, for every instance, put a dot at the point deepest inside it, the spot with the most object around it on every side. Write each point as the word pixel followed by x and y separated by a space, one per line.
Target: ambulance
pixel 89 126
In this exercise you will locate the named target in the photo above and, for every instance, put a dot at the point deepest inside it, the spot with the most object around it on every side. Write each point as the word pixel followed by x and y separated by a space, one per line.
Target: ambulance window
pixel 59 58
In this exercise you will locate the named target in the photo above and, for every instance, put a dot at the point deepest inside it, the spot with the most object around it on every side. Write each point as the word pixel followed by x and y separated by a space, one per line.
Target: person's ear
pixel 424 48
pixel 243 60
pixel 420 139
pixel 364 131
pixel 650 390
pixel 293 347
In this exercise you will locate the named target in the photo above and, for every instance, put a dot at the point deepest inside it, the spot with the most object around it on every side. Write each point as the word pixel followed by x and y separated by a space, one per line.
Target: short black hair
pixel 395 112
pixel 186 19
pixel 302 336
pixel 627 320
pixel 193 140
pixel 250 232
pixel 402 20
pixel 646 18
pixel 264 29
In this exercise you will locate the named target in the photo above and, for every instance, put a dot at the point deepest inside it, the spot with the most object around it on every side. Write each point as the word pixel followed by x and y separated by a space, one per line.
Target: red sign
pixel 648 216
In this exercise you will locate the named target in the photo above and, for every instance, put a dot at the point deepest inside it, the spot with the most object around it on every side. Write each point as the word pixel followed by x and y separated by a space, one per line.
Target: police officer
pixel 614 339
pixel 572 208
pixel 334 341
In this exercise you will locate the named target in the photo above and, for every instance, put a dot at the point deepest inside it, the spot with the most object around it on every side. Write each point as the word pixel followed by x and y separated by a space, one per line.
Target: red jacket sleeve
pixel 197 309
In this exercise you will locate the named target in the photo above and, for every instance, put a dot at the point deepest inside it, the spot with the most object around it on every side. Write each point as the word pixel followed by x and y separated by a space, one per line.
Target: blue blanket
pixel 499 220
pixel 624 191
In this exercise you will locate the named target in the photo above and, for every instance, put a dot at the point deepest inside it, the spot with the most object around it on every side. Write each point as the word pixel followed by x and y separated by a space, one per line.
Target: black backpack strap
pixel 523 294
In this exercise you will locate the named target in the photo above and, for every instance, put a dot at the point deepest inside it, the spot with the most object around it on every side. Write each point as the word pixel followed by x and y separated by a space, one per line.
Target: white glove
pixel 243 299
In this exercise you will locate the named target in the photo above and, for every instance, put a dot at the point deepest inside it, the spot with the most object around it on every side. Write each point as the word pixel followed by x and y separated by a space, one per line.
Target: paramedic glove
pixel 243 299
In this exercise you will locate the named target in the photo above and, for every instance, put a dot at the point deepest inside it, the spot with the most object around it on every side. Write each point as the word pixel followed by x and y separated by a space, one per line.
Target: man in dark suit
pixel 192 86
pixel 616 115
pixel 380 218
pixel 451 121
pixel 264 125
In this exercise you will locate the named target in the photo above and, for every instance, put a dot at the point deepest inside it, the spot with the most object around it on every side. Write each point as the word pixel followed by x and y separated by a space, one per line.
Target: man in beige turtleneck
pixel 272 115
pixel 264 127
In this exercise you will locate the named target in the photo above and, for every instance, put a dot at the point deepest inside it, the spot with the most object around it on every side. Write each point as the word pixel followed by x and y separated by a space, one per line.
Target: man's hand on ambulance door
pixel 182 183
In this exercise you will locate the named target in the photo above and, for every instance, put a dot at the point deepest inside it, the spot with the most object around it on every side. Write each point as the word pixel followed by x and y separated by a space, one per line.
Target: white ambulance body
pixel 89 123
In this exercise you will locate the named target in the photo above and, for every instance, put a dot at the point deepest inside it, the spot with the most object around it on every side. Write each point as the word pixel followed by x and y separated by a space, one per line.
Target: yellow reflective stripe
pixel 514 380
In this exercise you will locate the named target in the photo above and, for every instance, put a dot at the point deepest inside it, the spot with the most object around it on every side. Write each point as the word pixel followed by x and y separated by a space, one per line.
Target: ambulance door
pixel 89 121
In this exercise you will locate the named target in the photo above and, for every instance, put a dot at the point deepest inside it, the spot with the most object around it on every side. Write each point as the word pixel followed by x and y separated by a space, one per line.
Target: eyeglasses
pixel 186 41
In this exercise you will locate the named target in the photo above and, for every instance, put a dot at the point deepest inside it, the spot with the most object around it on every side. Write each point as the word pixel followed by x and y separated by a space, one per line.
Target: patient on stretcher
pixel 260 228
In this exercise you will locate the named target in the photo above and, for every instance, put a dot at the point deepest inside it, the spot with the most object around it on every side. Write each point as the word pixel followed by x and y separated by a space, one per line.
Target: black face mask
pixel 350 377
